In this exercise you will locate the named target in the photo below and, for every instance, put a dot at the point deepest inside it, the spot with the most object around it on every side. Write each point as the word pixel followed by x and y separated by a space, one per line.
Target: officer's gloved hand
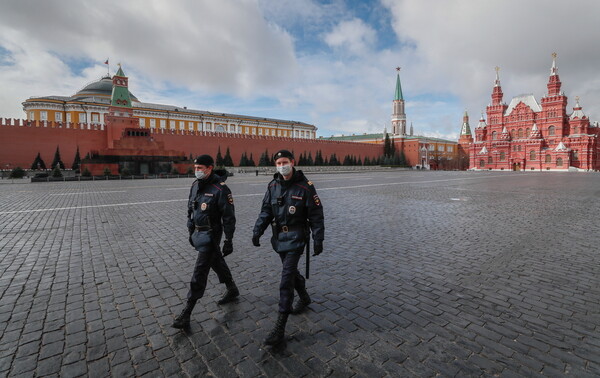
pixel 318 248
pixel 190 240
pixel 256 240
pixel 227 247
pixel 190 226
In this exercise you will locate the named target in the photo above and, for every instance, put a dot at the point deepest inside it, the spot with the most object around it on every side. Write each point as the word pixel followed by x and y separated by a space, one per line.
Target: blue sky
pixel 329 63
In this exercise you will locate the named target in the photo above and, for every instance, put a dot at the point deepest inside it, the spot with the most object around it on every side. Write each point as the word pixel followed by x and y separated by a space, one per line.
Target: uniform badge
pixel 203 206
pixel 317 200
pixel 309 183
pixel 297 197
pixel 292 210
pixel 230 199
pixel 222 183
pixel 208 194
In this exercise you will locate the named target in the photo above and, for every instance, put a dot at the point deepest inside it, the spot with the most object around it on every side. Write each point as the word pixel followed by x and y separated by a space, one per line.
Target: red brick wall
pixel 19 145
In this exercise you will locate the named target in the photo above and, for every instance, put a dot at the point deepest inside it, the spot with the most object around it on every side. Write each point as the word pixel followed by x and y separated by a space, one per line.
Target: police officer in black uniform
pixel 210 214
pixel 293 209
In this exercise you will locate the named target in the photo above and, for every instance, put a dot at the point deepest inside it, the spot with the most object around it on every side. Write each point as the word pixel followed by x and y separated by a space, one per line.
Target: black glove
pixel 317 248
pixel 256 241
pixel 191 242
pixel 227 247
pixel 190 226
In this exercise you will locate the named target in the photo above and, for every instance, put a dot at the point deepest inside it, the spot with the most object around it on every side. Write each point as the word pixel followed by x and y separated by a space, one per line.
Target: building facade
pixel 89 106
pixel 531 135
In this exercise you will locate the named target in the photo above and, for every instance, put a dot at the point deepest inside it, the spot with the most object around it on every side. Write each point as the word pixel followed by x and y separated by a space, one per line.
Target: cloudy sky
pixel 330 63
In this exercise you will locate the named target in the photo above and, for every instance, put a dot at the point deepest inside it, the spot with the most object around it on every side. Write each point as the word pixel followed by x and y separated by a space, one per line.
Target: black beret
pixel 206 160
pixel 283 154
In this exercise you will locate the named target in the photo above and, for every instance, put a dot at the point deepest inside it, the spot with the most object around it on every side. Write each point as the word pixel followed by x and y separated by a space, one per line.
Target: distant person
pixel 293 208
pixel 210 214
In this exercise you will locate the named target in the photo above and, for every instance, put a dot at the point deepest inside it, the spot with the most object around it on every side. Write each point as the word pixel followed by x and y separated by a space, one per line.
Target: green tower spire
pixel 120 91
pixel 398 95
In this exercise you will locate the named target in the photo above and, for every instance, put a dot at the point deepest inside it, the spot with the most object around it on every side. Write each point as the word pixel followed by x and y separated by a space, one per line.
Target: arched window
pixel 490 161
pixel 527 132
pixel 551 130
pixel 548 158
pixel 575 155
pixel 481 163
pixel 576 130
pixel 220 128
pixel 531 155
pixel 494 135
pixel 502 156
pixel 520 134
pixel 559 162
pixel 512 134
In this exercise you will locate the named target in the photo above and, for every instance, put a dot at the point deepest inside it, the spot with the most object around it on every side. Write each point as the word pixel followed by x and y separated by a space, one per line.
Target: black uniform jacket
pixel 292 207
pixel 210 211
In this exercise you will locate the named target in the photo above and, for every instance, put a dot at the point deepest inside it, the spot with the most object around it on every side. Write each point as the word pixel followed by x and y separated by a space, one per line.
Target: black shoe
pixel 277 335
pixel 183 320
pixel 231 293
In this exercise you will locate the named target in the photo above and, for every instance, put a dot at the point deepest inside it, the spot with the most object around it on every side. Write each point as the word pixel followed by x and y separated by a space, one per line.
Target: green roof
pixel 398 89
pixel 358 138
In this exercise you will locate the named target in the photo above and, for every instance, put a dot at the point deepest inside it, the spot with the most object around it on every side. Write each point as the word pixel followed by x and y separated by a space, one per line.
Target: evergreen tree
pixel 325 162
pixel 76 161
pixel 219 161
pixel 386 145
pixel 359 162
pixel 227 160
pixel 333 161
pixel 244 160
pixel 347 160
pixel 264 159
pixel 402 159
pixel 367 161
pixel 309 159
pixel 318 158
pixel 56 171
pixel 38 163
pixel 251 162
pixel 392 147
pixel 57 160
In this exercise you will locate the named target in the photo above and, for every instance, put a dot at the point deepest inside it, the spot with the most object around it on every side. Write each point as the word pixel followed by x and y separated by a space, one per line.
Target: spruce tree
pixel 219 161
pixel 57 160
pixel 38 163
pixel 76 161
pixel 227 160
pixel 251 162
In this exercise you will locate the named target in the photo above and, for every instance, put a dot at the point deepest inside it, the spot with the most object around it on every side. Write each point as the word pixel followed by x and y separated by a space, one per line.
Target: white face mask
pixel 200 175
pixel 284 170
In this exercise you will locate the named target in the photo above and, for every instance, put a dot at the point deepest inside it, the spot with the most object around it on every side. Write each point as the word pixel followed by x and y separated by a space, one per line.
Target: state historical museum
pixel 528 135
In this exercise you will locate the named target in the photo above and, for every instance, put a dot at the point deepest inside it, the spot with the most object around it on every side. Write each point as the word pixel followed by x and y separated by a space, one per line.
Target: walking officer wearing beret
pixel 293 209
pixel 210 214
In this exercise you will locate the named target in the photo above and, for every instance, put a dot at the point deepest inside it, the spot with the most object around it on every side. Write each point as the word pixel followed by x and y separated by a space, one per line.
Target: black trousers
pixel 290 279
pixel 207 258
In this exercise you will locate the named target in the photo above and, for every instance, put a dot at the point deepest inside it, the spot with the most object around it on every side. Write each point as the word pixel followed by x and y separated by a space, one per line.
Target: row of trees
pixel 38 162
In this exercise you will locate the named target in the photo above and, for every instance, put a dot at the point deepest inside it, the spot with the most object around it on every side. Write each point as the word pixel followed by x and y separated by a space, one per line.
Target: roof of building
pixel 526 99
pixel 398 94
pixel 381 136
pixel 100 88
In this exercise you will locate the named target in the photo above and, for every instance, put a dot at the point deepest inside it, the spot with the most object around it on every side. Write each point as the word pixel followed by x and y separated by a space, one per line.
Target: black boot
pixel 278 333
pixel 231 293
pixel 303 301
pixel 183 320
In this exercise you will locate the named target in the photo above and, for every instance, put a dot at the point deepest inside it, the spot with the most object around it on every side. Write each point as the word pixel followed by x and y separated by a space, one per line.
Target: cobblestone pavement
pixel 423 274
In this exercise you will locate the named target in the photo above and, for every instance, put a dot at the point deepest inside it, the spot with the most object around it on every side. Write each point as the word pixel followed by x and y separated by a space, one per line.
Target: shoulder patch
pixel 222 183
pixel 309 183
pixel 230 199
pixel 317 200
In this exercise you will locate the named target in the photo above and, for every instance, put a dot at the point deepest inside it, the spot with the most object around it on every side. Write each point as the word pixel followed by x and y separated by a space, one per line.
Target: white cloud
pixel 354 36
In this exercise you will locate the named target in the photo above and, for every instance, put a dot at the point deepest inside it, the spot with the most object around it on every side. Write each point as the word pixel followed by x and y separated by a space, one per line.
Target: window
pixel 172 125
pixel 527 132
pixel 163 123
pixel 82 118
pixel 576 130
pixel 494 135
pixel 181 125
pixel 430 147
pixel 548 159
pixel 260 131
pixel 440 147
pixel 575 155
pixel 513 134
pixel 502 156
pixel 520 133
pixel 531 155
pixel 152 123
pixel 551 130
pixel 96 118
pixel 31 116
pixel 43 115
pixel 68 117
pixel 559 162
pixel 142 122
pixel 490 160
pixel 58 117
pixel 481 163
